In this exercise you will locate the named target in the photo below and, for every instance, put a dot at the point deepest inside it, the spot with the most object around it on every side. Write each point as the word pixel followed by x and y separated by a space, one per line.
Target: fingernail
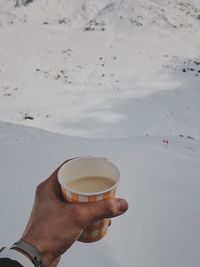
pixel 122 205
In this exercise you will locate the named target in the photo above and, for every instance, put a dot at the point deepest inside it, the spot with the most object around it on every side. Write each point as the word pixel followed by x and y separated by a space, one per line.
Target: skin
pixel 55 225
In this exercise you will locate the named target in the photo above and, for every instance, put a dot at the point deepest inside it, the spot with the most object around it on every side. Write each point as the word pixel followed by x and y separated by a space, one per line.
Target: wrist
pixel 30 251
pixel 22 252
pixel 48 258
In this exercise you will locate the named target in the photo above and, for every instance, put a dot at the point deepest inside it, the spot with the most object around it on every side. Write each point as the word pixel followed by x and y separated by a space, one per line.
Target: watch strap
pixel 31 251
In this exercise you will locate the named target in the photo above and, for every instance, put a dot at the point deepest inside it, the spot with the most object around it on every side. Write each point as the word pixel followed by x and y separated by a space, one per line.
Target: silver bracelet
pixel 31 251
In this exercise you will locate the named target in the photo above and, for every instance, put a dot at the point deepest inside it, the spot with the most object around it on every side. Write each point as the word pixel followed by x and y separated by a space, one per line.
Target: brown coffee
pixel 91 184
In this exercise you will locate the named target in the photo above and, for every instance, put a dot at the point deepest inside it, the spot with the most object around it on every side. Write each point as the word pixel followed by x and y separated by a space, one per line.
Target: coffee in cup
pixel 89 179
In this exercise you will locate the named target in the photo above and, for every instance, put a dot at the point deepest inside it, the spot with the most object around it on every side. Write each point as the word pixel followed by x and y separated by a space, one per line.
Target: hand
pixel 55 225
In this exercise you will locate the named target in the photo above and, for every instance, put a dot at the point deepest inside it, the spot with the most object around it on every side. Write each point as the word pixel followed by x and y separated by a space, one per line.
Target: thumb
pixel 96 211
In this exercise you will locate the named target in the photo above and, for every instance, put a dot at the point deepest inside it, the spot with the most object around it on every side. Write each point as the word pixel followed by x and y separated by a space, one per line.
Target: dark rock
pixel 28 117
pixel 197 63
pixel 89 28
pixel 62 21
pixel 7 94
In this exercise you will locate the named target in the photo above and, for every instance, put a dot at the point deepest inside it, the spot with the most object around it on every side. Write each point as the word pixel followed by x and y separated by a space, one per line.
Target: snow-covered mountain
pixel 101 68
pixel 106 14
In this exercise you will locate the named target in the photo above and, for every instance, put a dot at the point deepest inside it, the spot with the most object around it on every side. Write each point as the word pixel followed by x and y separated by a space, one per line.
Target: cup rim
pixel 89 193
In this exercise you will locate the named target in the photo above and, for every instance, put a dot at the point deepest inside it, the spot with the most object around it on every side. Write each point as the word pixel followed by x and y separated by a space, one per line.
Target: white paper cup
pixel 84 167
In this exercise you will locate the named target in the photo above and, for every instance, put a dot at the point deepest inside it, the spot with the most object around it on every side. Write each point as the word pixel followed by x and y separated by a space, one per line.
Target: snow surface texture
pixel 127 74
pixel 161 227
pixel 101 68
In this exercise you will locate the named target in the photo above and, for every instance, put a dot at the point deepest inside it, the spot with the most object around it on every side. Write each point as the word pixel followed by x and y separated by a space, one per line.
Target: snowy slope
pixel 101 68
pixel 161 184
pixel 126 73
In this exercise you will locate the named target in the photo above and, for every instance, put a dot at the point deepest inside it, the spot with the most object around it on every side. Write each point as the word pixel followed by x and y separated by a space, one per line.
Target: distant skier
pixel 165 142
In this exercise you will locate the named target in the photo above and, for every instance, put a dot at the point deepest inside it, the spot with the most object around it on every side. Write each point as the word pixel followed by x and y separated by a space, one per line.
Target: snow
pixel 94 83
pixel 160 183
pixel 111 79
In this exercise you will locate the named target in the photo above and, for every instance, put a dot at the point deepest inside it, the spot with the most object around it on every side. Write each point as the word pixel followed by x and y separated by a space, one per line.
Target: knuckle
pixel 110 207
pixel 80 215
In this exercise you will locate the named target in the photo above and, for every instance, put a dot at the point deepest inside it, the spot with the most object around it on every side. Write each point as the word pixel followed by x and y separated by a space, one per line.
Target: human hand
pixel 55 225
